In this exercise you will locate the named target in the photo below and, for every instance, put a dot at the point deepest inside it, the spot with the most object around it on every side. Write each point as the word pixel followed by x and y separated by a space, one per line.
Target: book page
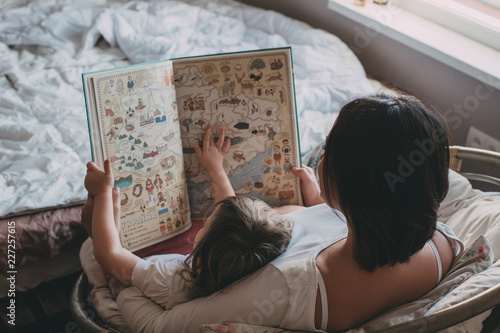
pixel 140 134
pixel 251 95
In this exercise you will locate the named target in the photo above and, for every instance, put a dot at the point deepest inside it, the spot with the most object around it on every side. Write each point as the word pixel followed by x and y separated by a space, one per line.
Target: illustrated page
pixel 140 133
pixel 251 95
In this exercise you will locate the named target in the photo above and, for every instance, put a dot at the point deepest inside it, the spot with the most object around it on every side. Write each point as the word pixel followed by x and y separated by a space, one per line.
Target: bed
pixel 44 143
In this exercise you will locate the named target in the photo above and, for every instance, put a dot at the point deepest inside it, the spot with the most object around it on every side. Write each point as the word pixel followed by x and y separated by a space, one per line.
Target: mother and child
pixel 367 240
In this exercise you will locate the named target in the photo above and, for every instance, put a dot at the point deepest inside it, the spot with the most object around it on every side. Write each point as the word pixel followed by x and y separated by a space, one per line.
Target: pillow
pixel 470 213
pixel 472 286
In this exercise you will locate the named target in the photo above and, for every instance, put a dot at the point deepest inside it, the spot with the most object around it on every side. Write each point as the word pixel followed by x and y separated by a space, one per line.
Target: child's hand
pixel 115 285
pixel 212 154
pixel 311 192
pixel 97 181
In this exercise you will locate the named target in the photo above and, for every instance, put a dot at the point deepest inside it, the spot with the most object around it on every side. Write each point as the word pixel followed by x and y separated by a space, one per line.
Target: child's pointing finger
pixel 107 167
pixel 208 137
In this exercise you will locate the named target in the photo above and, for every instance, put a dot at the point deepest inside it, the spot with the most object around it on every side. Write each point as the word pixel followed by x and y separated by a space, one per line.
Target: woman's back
pixel 355 295
pixel 385 167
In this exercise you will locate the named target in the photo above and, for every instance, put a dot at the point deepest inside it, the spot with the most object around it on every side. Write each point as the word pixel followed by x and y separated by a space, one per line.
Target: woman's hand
pixel 97 181
pixel 311 192
pixel 212 154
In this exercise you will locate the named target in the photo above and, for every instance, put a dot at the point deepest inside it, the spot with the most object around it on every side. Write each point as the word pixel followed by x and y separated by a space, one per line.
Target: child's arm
pixel 86 214
pixel 211 157
pixel 107 248
pixel 88 209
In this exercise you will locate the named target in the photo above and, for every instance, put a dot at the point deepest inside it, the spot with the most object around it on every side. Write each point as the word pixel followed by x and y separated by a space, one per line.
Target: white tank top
pixel 315 228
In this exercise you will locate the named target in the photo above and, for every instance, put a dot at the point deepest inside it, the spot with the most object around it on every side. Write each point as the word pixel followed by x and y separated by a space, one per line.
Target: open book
pixel 146 119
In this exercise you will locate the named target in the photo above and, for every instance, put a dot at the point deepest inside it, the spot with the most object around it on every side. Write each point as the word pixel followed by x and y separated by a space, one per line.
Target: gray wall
pixel 465 100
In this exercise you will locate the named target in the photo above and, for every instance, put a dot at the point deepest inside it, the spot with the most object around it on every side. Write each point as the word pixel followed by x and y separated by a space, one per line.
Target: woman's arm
pixel 211 157
pixel 107 248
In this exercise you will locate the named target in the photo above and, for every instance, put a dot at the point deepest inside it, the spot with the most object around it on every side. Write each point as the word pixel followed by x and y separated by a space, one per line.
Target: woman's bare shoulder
pixel 356 295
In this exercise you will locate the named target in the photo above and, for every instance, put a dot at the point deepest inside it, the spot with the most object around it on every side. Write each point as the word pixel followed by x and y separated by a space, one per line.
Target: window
pixel 476 19
pixel 490 7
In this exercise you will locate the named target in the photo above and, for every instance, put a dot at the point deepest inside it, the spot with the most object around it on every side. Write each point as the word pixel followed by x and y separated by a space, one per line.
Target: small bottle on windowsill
pixel 380 2
pixel 359 2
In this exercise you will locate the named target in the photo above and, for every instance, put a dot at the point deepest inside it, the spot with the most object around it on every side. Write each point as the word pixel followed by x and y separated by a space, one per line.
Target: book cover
pixel 147 118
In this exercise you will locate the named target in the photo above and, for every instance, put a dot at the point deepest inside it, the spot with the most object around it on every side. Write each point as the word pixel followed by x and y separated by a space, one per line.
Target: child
pixel 239 237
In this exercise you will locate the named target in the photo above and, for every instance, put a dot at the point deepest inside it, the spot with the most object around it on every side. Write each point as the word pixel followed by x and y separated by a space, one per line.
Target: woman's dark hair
pixel 244 235
pixel 386 165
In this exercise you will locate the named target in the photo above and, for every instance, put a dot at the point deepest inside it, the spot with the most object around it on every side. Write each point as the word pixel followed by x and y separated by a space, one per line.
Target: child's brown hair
pixel 244 235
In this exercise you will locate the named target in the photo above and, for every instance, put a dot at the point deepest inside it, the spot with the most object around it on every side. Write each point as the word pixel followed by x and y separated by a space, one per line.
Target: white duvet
pixel 45 47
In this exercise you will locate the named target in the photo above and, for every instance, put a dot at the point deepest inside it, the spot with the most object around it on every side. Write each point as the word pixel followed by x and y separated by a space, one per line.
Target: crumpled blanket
pixel 42 235
pixel 45 46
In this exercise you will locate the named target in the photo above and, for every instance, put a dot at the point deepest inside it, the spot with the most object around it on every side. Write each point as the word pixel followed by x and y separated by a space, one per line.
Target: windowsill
pixel 455 50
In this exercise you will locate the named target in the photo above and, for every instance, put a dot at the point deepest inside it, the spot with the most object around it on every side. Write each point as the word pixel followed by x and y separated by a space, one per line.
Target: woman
pixel 385 167
pixel 374 245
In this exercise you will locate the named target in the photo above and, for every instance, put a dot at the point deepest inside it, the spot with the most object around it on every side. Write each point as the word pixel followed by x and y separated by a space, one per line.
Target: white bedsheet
pixel 45 46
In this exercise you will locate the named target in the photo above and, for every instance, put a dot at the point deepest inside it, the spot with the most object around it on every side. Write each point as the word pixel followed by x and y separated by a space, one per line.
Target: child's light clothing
pixel 160 278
